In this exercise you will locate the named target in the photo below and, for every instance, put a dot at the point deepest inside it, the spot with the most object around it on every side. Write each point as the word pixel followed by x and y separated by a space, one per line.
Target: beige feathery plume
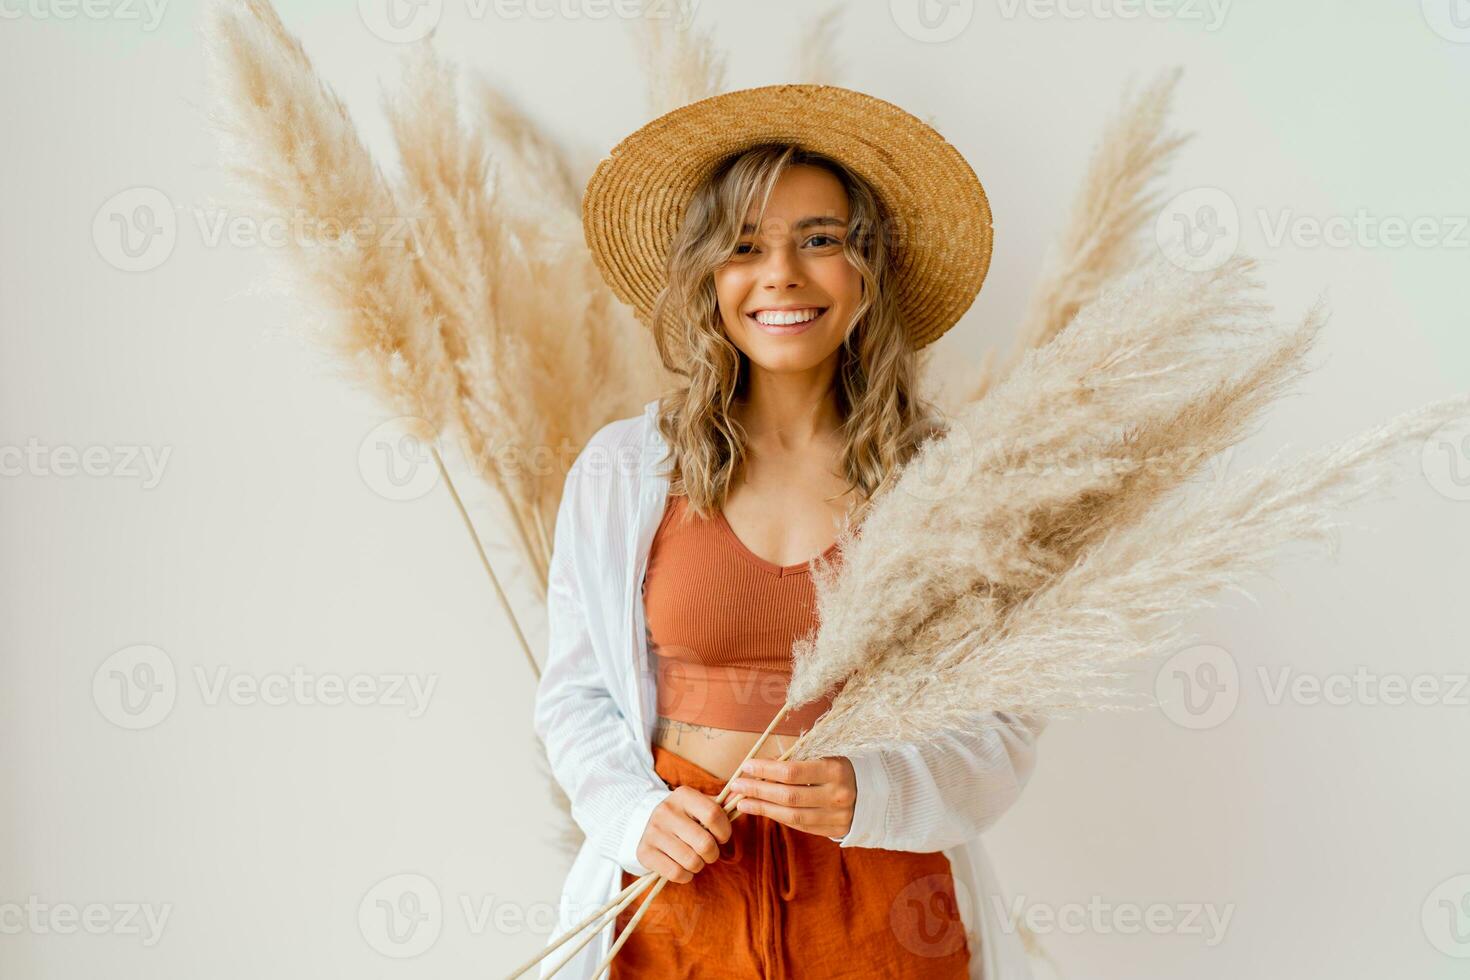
pixel 1150 460
pixel 1101 237
pixel 682 63
pixel 289 143
pixel 817 60
pixel 1069 645
pixel 504 306
pixel 616 367
pixel 293 151
pixel 976 507
pixel 532 165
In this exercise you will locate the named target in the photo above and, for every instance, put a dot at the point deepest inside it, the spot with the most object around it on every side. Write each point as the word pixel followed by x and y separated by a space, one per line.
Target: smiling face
pixel 792 267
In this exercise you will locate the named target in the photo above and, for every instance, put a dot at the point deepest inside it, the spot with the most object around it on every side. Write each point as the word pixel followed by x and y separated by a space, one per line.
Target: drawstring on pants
pixel 775 873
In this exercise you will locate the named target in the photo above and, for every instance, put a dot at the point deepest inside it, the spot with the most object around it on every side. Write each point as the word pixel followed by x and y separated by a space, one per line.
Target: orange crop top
pixel 721 622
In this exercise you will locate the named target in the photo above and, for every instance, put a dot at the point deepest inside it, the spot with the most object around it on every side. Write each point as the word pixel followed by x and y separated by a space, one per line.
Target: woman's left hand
pixel 814 795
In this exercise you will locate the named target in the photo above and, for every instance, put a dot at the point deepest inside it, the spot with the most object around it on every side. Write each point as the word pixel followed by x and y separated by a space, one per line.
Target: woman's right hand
pixel 684 834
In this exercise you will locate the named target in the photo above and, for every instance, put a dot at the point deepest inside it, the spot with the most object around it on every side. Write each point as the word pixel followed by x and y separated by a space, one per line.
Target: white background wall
pixel 1328 833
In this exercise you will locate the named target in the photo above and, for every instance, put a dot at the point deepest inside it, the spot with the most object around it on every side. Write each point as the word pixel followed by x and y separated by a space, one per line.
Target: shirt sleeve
pixel 933 795
pixel 590 744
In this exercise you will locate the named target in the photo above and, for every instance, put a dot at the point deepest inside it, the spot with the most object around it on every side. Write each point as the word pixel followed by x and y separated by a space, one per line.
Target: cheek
pixel 842 282
pixel 731 286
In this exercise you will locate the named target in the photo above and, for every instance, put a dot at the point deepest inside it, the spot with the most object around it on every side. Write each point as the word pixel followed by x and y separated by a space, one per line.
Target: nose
pixel 779 265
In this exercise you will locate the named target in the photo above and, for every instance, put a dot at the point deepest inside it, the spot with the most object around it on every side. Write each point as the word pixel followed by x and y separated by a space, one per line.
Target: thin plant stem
pixel 611 915
pixel 480 549
pixel 606 964
pixel 539 523
pixel 624 897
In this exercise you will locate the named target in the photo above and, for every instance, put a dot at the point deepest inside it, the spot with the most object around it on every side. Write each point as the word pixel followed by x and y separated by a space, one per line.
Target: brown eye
pixel 829 238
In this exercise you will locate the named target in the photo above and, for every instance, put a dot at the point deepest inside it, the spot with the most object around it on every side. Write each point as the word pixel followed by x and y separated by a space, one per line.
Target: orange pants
pixel 783 903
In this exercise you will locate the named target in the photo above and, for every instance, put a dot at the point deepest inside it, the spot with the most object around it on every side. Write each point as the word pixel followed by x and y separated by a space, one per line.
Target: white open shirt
pixel 596 707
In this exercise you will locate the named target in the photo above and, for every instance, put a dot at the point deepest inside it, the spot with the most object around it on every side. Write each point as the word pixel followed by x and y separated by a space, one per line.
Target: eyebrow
pixel 805 223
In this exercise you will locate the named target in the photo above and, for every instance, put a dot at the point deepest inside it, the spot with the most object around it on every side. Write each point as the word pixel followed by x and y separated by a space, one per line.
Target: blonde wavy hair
pixel 883 418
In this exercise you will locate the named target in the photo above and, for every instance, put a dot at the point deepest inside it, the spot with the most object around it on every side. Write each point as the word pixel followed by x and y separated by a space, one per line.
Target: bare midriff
pixel 719 750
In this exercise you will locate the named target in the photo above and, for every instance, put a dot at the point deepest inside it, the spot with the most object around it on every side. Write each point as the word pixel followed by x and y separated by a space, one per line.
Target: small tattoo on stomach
pixel 678 729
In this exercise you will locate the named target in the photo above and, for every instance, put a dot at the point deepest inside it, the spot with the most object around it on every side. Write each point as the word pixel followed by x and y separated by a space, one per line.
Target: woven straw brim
pixel 940 224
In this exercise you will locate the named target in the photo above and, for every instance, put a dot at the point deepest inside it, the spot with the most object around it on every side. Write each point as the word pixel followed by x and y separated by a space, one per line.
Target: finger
pixel 669 868
pixel 810 821
pixel 798 818
pixel 699 839
pixel 799 771
pixel 712 815
pixel 672 843
pixel 785 794
pixel 694 808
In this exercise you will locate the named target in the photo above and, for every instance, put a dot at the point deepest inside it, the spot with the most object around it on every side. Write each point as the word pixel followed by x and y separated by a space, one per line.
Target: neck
pixel 791 409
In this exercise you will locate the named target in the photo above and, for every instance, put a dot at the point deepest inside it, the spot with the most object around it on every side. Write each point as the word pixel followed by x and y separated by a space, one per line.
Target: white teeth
pixel 776 318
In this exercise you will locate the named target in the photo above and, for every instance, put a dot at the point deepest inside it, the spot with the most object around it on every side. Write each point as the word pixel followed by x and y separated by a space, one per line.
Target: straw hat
pixel 941 218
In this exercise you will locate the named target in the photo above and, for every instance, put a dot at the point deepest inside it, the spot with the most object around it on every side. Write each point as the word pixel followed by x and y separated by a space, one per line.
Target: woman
pixel 796 323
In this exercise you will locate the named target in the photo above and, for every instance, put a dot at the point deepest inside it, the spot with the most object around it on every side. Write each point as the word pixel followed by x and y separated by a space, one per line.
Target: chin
pixel 798 353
